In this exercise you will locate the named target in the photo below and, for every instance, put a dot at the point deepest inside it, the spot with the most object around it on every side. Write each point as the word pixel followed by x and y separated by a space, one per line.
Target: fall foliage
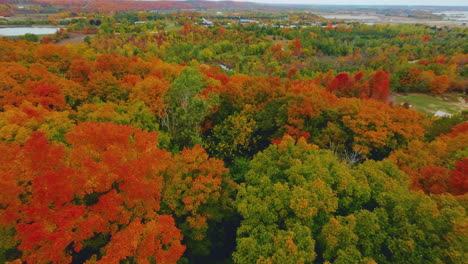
pixel 162 138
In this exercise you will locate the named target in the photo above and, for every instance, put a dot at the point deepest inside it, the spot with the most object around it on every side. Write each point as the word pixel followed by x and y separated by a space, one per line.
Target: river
pixel 19 31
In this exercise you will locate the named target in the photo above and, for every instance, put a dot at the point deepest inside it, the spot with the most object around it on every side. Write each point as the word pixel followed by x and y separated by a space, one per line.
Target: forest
pixel 276 138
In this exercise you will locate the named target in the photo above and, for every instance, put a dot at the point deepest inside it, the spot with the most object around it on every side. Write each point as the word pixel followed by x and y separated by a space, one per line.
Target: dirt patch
pixel 75 38
pixel 455 100
pixel 462 104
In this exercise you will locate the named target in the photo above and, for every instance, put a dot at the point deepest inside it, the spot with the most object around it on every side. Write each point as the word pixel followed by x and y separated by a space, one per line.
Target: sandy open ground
pixel 75 38
pixel 373 18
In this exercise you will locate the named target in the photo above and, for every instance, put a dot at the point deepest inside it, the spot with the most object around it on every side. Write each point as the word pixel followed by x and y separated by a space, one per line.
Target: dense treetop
pixel 231 143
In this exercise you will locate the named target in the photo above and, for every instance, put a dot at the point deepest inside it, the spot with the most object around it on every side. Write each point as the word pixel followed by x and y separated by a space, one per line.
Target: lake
pixel 454 15
pixel 19 31
pixel 350 16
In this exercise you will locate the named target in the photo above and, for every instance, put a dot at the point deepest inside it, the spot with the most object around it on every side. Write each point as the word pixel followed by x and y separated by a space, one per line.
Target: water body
pixel 19 31
pixel 350 16
pixel 454 15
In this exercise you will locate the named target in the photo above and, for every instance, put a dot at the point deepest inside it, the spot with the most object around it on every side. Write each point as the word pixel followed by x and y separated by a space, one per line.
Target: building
pixel 442 114
pixel 206 22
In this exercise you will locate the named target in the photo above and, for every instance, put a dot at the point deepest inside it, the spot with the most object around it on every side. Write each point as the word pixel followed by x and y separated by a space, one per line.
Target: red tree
pixel 380 86
pixel 459 177
pixel 108 183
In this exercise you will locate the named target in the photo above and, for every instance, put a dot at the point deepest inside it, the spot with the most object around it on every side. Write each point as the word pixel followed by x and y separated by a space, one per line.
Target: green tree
pixel 234 137
pixel 300 204
pixel 289 193
pixel 187 108
pixel 31 37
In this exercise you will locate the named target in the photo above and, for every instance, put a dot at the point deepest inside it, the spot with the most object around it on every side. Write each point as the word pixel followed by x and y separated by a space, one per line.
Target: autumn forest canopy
pixel 204 137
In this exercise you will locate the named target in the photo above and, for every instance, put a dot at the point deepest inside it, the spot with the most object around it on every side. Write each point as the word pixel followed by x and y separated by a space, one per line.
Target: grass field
pixel 172 28
pixel 451 103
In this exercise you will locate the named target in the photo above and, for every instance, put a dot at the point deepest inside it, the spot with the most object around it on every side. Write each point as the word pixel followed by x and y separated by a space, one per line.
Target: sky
pixel 366 2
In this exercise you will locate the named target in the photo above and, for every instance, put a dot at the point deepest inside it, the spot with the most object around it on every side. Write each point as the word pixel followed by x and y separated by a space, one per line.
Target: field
pixel 452 103
pixel 172 28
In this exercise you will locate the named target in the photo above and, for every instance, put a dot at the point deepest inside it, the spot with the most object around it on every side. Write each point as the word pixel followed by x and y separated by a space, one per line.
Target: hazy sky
pixel 367 2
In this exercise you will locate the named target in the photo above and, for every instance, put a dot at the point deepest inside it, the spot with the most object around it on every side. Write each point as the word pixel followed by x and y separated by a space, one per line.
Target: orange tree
pixel 379 128
pixel 112 195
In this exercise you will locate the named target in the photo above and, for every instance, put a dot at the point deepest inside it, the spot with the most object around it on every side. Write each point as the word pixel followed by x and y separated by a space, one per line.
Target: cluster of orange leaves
pixel 436 166
pixel 112 179
pixel 437 84
pixel 380 125
pixel 35 73
pixel 375 124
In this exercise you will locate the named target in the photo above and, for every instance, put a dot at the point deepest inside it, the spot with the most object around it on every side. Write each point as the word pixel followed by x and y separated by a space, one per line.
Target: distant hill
pixel 120 5
pixel 129 5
